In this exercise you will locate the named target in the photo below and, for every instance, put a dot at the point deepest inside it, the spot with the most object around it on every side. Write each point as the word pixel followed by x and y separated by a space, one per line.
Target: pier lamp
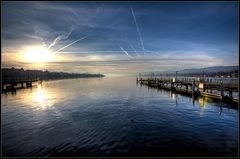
pixel 173 79
pixel 201 85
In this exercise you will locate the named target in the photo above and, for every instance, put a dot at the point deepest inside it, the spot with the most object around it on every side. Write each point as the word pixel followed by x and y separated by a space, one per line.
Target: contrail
pixel 134 49
pixel 138 30
pixel 59 38
pixel 71 43
pixel 54 42
pixel 125 51
pixel 69 34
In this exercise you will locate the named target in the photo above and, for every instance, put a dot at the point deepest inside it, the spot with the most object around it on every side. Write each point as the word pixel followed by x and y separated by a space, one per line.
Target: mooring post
pixel 204 86
pixel 193 86
pixel 12 83
pixel 230 93
pixel 221 87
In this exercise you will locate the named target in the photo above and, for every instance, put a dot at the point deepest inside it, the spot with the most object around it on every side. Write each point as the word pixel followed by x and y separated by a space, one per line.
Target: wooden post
pixel 159 84
pixel 221 87
pixel 230 93
pixel 29 84
pixel 203 86
pixel 193 86
pixel 12 86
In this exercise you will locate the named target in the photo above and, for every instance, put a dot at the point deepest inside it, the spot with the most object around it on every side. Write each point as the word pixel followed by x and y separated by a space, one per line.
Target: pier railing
pixel 19 80
pixel 10 84
pixel 221 88
pixel 196 79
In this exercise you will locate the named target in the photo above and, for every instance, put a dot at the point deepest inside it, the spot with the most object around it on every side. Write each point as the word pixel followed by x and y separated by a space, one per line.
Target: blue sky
pixel 122 37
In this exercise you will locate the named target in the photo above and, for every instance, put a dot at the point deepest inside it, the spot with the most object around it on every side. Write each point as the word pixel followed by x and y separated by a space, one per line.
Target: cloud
pixel 116 64
pixel 172 39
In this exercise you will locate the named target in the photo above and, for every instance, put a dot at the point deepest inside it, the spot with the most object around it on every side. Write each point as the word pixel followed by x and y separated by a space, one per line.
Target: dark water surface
pixel 114 117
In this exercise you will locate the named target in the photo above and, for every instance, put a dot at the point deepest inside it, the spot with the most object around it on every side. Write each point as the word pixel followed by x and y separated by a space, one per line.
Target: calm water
pixel 114 117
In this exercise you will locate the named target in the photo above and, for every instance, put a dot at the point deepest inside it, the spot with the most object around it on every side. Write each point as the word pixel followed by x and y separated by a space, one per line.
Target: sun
pixel 37 54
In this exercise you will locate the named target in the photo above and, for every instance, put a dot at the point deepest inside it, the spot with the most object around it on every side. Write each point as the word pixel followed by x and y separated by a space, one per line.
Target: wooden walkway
pixel 12 85
pixel 222 89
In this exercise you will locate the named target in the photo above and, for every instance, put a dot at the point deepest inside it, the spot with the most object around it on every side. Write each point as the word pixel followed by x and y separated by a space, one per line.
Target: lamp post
pixel 176 75
pixel 203 75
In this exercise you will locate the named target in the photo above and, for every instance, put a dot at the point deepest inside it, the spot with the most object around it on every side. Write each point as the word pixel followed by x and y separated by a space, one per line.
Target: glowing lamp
pixel 201 85
pixel 173 79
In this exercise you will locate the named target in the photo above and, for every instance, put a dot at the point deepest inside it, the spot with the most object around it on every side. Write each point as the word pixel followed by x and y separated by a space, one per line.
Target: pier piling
pixel 198 87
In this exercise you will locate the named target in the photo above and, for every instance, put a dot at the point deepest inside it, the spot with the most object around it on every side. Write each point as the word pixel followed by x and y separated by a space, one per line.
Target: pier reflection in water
pixel 114 117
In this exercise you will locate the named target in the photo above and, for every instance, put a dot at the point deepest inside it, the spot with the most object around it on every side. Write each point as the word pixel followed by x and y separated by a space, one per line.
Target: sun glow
pixel 37 55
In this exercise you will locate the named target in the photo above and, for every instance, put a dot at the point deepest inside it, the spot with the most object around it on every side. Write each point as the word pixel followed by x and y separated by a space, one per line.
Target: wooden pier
pixel 208 87
pixel 13 85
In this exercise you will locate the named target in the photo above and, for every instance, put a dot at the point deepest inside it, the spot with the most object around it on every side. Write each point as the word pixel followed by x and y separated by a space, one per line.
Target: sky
pixel 119 38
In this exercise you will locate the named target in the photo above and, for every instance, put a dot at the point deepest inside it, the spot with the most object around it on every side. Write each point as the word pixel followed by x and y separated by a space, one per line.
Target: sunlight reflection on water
pixel 41 98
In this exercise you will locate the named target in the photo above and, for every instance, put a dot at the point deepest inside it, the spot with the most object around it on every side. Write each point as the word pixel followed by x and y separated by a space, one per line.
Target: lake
pixel 113 116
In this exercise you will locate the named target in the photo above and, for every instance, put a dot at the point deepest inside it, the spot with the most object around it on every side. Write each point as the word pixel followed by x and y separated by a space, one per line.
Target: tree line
pixel 14 74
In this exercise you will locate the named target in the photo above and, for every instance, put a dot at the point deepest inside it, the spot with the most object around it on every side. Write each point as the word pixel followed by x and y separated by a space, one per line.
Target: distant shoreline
pixel 14 74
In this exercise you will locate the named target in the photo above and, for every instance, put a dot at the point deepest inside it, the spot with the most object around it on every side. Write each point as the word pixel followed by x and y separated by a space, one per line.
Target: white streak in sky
pixel 134 49
pixel 138 30
pixel 72 43
pixel 68 34
pixel 125 51
pixel 60 37
pixel 54 42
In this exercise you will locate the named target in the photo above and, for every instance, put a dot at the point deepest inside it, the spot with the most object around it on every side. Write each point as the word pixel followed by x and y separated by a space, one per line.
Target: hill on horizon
pixel 213 69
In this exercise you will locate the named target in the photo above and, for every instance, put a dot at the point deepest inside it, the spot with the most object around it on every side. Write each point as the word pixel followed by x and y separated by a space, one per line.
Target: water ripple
pixel 100 118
